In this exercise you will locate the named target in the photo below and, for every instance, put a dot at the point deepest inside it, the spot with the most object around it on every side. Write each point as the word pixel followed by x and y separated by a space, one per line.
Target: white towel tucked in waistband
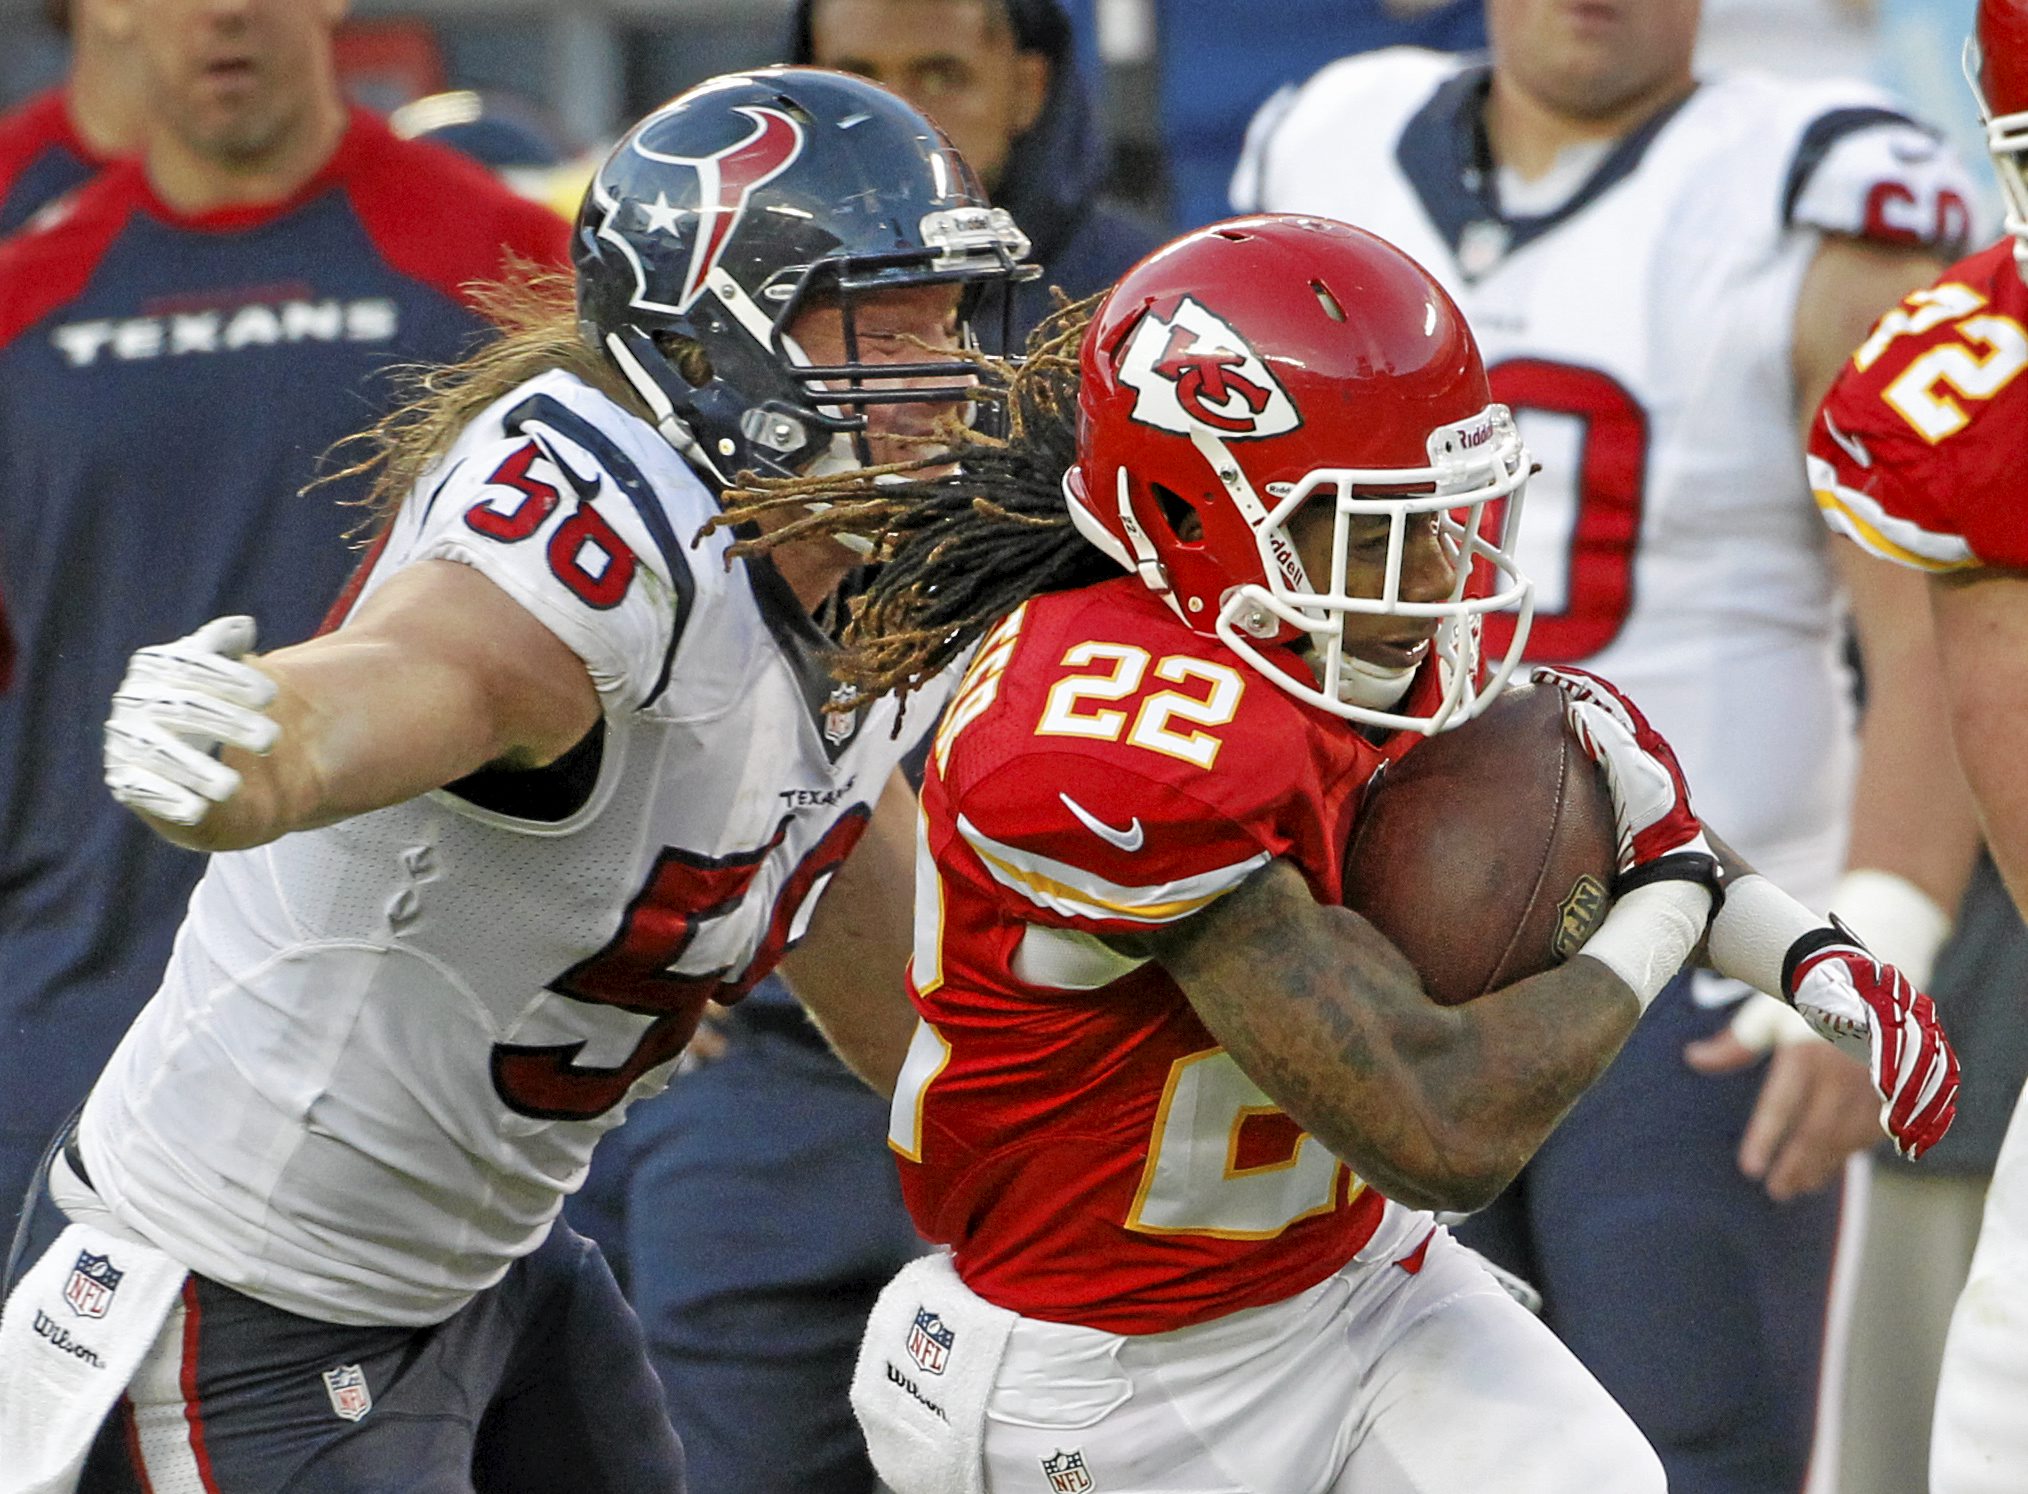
pixel 74 1330
pixel 926 1367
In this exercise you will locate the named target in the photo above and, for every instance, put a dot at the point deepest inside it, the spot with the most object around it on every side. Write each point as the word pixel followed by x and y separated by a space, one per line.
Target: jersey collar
pixel 1444 153
pixel 240 217
pixel 808 650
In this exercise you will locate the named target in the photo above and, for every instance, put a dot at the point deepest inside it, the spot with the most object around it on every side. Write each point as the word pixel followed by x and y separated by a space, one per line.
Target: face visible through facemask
pixel 909 324
pixel 1381 651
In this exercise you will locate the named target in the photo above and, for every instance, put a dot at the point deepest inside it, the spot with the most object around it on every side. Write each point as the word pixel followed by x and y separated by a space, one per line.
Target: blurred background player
pixel 752 1212
pixel 1916 457
pixel 1214 71
pixel 1000 76
pixel 175 353
pixel 1133 998
pixel 559 779
pixel 63 136
pixel 1797 38
pixel 1665 273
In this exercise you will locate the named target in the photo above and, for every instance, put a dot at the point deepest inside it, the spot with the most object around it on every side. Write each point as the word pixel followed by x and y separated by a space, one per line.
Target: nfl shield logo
pixel 929 1341
pixel 1067 1473
pixel 841 718
pixel 93 1280
pixel 346 1385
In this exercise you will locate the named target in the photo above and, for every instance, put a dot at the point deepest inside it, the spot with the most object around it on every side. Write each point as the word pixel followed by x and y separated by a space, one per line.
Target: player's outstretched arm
pixel 1436 1106
pixel 850 970
pixel 438 674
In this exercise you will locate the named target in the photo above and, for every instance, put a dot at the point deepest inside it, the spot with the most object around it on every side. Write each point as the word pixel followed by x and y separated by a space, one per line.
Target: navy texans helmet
pixel 728 209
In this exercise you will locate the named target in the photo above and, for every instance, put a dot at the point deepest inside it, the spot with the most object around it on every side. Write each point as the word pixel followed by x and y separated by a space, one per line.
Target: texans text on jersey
pixel 130 339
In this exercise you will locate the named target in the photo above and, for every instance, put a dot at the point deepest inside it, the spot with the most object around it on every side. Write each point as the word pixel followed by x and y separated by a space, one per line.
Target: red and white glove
pixel 1870 1010
pixel 1668 884
pixel 1660 839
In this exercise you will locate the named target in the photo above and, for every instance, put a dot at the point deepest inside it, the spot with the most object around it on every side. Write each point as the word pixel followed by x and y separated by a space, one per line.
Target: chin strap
pixel 667 421
pixel 1363 684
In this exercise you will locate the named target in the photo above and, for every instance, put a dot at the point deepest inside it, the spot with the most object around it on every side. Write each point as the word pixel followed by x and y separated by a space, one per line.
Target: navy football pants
pixel 752 1212
pixel 1696 1299
pixel 538 1385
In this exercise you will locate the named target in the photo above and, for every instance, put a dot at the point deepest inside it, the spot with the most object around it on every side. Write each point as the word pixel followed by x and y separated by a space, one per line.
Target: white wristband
pixel 1649 934
pixel 1898 921
pixel 1753 932
pixel 1762 1022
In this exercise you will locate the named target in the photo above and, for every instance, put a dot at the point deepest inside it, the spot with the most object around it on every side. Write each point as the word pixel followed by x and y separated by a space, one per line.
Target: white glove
pixel 180 703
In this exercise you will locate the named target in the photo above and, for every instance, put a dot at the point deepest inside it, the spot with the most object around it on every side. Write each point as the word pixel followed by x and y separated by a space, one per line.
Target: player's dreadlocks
pixel 963 536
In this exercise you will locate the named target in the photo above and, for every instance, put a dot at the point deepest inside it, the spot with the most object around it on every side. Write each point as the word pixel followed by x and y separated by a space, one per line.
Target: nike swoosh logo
pixel 1850 445
pixel 1128 839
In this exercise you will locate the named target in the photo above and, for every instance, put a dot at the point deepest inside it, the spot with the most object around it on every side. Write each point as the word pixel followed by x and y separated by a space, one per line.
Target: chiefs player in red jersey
pixel 1178 1114
pixel 1918 456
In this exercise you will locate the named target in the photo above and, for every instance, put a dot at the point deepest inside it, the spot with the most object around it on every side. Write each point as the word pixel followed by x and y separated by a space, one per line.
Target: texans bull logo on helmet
pixel 1193 371
pixel 725 180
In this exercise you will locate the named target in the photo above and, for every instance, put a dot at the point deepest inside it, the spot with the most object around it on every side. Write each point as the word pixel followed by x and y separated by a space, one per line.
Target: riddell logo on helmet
pixel 1286 559
pixel 1193 372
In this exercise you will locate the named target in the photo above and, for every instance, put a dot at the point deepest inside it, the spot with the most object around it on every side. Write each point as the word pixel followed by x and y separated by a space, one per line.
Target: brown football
pixel 1486 852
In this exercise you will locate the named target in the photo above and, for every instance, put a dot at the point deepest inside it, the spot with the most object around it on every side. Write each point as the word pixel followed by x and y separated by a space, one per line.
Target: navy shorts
pixel 539 1383
pixel 1696 1299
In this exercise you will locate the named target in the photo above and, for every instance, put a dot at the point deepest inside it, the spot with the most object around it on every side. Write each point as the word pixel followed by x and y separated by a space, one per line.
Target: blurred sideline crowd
pixel 751 1212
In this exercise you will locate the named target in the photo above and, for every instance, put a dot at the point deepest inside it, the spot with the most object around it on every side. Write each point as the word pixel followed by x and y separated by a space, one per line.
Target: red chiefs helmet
pixel 1263 363
pixel 1996 61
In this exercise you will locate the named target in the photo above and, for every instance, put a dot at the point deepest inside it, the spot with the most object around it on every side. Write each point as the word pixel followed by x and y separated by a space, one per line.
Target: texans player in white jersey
pixel 1179 1114
pixel 560 772
pixel 1916 458
pixel 1665 272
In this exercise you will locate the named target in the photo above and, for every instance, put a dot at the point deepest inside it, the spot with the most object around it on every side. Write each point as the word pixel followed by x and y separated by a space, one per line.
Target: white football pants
pixel 1979 1443
pixel 1374 1381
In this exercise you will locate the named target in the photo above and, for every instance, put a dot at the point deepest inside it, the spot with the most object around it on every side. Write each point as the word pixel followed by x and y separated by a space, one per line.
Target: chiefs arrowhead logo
pixel 726 179
pixel 1193 371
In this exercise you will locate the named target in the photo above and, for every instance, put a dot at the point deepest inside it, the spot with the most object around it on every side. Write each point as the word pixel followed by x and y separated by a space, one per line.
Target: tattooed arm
pixel 1436 1106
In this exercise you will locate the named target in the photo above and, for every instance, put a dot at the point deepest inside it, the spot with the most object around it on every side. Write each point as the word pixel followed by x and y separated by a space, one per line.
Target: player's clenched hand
pixel 179 703
pixel 1868 1009
pixel 1651 802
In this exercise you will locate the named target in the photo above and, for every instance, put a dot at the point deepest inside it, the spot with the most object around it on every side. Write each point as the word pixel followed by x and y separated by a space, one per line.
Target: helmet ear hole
pixel 687 356
pixel 1181 516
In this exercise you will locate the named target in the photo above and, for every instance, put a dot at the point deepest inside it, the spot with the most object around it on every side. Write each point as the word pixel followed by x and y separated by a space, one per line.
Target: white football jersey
pixel 1640 326
pixel 383 1050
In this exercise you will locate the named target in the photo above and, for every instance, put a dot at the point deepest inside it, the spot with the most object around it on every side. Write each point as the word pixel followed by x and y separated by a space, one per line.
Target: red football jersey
pixel 1917 452
pixel 1065 1121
